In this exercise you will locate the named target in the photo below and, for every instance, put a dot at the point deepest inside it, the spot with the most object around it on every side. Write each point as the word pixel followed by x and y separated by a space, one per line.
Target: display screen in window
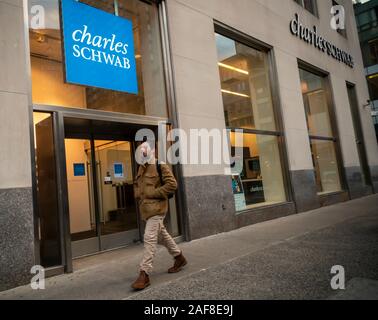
pixel 261 180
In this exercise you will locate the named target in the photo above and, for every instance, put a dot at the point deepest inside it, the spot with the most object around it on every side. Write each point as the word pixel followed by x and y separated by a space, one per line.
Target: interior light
pixel 235 93
pixel 373 76
pixel 304 86
pixel 223 65
pixel 41 38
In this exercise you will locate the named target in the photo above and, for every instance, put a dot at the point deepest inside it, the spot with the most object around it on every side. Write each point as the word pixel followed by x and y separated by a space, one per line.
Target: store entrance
pixel 84 197
pixel 100 168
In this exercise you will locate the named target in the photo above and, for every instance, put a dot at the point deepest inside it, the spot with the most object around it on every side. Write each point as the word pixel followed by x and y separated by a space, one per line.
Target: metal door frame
pixel 59 114
pixel 90 245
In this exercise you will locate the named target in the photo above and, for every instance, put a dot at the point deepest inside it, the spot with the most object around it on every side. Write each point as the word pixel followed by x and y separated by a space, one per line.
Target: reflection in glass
pixel 317 108
pixel 262 179
pixel 116 196
pixel 245 83
pixel 316 104
pixel 325 164
pixel 48 85
pixel 117 210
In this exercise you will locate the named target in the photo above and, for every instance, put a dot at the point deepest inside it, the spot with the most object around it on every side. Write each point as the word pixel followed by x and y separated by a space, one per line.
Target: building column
pixel 16 201
pixel 210 207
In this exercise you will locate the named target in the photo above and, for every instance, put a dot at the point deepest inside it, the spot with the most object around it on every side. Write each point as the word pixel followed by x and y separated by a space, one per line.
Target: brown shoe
pixel 142 282
pixel 180 262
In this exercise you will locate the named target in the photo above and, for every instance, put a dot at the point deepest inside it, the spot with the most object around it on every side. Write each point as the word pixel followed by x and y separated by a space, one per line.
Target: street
pixel 287 258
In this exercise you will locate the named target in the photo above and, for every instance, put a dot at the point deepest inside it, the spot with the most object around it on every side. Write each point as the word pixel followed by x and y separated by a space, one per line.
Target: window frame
pixel 333 120
pixel 238 36
pixel 315 4
pixel 373 89
pixel 373 44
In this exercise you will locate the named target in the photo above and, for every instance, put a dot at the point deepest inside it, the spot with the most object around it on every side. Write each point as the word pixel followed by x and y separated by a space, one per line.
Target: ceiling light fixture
pixel 235 93
pixel 223 65
pixel 41 38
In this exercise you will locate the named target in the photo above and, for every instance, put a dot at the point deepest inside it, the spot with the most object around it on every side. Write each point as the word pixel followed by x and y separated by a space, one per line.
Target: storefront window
pixel 373 51
pixel 325 164
pixel 261 180
pixel 316 105
pixel 322 139
pixel 373 86
pixel 48 84
pixel 245 82
pixel 248 105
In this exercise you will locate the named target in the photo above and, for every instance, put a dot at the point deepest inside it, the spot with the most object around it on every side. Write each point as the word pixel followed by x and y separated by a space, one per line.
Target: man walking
pixel 153 185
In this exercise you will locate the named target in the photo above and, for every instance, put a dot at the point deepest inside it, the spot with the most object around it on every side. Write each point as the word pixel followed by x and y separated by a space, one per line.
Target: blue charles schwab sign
pixel 98 48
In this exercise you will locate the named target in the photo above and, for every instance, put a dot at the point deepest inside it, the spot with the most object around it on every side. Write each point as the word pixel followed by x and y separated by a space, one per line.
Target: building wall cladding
pixel 16 202
pixel 199 99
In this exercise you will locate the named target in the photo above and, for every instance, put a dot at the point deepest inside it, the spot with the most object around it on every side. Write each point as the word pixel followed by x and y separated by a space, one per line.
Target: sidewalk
pixel 287 258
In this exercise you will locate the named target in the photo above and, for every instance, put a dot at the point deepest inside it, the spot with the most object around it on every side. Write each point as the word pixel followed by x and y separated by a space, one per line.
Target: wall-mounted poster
pixel 237 188
pixel 118 170
pixel 108 178
pixel 79 169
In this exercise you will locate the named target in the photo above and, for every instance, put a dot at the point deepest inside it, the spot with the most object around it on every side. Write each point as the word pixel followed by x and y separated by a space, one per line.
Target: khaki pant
pixel 155 233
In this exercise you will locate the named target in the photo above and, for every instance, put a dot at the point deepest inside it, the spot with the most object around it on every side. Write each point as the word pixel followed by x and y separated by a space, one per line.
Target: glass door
pixel 102 207
pixel 81 197
pixel 117 208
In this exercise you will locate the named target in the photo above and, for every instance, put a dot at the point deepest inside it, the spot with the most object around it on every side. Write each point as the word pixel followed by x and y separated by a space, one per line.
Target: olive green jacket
pixel 151 194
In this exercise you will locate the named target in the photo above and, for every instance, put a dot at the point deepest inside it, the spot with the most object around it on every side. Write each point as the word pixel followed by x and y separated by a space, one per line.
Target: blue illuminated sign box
pixel 79 169
pixel 98 48
pixel 118 170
